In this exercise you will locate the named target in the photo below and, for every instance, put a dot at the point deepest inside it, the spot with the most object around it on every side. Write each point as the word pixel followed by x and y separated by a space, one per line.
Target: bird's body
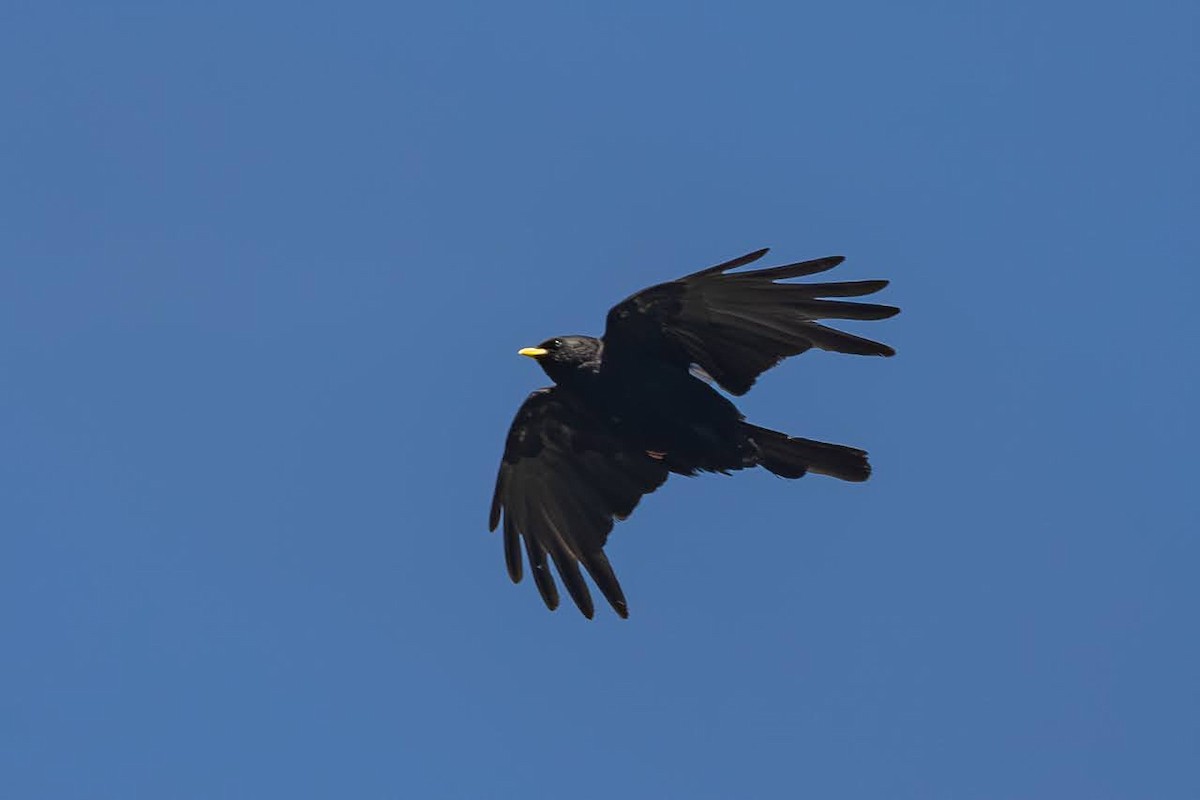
pixel 657 407
pixel 628 409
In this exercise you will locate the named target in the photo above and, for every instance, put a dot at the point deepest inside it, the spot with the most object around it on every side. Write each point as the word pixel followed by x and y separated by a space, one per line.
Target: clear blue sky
pixel 263 272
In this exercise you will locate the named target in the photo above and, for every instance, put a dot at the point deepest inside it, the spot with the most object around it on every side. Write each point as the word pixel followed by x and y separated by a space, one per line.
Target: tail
pixel 791 457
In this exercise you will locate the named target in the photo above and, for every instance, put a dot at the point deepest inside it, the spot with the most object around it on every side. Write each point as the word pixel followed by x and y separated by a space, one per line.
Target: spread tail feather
pixel 791 457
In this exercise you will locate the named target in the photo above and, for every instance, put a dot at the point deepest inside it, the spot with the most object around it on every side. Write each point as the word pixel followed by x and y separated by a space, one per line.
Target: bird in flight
pixel 638 404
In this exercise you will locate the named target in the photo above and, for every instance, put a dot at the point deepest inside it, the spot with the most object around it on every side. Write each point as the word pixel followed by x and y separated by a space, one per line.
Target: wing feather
pixel 563 480
pixel 735 326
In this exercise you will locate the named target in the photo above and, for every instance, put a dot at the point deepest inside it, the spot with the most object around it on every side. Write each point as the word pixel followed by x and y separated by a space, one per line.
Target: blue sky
pixel 263 272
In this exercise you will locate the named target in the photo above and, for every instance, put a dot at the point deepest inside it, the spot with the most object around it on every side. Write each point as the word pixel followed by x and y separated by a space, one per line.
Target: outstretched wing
pixel 563 479
pixel 737 326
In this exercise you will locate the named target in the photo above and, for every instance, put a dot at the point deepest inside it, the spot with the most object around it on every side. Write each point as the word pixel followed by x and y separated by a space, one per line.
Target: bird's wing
pixel 563 479
pixel 735 326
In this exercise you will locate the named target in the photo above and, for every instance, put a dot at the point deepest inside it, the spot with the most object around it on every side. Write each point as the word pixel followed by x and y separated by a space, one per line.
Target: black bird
pixel 636 405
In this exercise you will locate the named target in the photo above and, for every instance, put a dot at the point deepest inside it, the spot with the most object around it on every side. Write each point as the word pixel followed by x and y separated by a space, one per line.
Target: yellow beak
pixel 532 352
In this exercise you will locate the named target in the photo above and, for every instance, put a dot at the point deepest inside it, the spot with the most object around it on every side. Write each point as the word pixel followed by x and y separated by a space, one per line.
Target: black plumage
pixel 631 408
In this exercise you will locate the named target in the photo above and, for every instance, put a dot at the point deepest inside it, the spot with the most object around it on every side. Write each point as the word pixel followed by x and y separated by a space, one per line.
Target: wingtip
pixel 749 258
pixel 733 263
pixel 494 511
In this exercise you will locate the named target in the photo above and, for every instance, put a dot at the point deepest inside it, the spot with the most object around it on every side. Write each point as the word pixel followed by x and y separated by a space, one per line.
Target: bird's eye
pixel 556 343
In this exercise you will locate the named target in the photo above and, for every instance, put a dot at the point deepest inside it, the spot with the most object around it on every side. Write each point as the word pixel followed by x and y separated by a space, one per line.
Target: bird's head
pixel 564 356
